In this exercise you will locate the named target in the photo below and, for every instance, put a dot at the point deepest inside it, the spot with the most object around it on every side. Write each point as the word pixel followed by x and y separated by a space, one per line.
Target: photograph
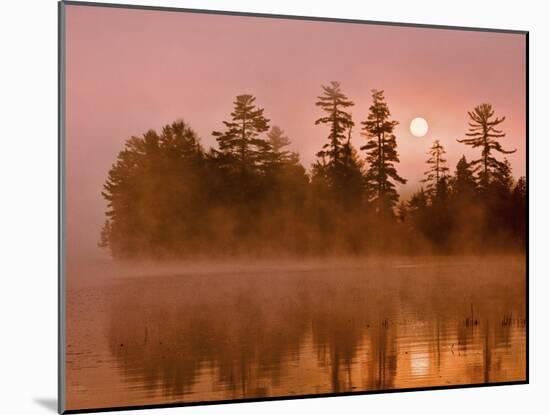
pixel 262 207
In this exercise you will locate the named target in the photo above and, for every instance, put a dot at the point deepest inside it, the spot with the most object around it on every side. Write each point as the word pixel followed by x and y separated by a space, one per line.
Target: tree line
pixel 168 196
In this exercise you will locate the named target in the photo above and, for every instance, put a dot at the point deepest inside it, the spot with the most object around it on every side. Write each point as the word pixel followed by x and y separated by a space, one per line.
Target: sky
pixel 128 71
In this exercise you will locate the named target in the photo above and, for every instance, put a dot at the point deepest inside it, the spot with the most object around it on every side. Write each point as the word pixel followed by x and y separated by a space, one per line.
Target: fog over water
pixel 191 333
pixel 268 224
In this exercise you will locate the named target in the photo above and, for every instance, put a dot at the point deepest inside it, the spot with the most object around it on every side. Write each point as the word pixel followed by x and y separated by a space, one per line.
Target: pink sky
pixel 132 70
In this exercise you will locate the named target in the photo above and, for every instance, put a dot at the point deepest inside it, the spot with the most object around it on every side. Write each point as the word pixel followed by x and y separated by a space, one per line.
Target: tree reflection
pixel 256 336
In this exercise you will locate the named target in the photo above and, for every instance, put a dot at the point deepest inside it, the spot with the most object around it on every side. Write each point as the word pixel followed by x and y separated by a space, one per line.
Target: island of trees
pixel 169 197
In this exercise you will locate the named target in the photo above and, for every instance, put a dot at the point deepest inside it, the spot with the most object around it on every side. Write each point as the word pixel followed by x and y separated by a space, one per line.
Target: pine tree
pixel 499 203
pixel 239 144
pixel 418 201
pixel 437 170
pixel 319 171
pixel 381 149
pixel 519 219
pixel 502 177
pixel 441 193
pixel 277 138
pixel 520 190
pixel 338 162
pixel 128 192
pixel 416 210
pixel 463 182
pixel 274 153
pixel 333 102
pixel 466 207
pixel 483 132
pixel 154 193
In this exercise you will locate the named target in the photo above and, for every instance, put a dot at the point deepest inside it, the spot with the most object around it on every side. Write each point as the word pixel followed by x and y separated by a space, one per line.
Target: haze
pixel 132 70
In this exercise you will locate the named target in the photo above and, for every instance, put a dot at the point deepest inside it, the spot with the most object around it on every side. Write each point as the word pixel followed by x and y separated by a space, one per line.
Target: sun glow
pixel 419 127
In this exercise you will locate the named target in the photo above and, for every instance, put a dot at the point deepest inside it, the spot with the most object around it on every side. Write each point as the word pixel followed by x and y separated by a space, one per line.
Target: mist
pixel 249 216
pixel 129 71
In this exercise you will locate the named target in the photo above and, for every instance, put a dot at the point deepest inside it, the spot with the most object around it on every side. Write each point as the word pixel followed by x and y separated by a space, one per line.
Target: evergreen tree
pixel 338 163
pixel 519 219
pixel 520 191
pixel 435 176
pixel 334 102
pixel 129 184
pixel 154 193
pixel 466 208
pixel 464 182
pixel 278 140
pixel 273 153
pixel 166 196
pixel 418 201
pixel 284 191
pixel 240 145
pixel 417 208
pixel 277 159
pixel 351 174
pixel 502 177
pixel 499 204
pixel 441 193
pixel 441 217
pixel 381 149
pixel 483 133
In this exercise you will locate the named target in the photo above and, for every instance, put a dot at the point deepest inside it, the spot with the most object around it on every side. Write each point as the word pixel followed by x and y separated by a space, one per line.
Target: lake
pixel 156 334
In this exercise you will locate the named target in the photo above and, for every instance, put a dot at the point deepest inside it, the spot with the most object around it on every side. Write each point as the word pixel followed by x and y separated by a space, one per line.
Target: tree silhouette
pixel 239 143
pixel 338 163
pixel 483 132
pixel 274 155
pixel 278 140
pixel 333 102
pixel 498 200
pixel 281 165
pixel 417 208
pixel 502 176
pixel 168 197
pixel 464 182
pixel 381 149
pixel 351 175
pixel 154 193
pixel 437 169
pixel 519 222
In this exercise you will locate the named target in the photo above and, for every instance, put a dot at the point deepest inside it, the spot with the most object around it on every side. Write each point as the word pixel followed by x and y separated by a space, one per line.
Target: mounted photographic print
pixel 258 207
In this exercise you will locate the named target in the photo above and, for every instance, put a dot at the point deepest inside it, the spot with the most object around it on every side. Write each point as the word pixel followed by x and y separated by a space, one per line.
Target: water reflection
pixel 221 336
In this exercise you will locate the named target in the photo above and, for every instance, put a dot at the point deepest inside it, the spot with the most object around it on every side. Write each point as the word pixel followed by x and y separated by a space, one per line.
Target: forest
pixel 169 197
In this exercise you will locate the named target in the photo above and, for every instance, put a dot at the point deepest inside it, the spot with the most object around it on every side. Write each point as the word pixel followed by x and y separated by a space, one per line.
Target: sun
pixel 419 127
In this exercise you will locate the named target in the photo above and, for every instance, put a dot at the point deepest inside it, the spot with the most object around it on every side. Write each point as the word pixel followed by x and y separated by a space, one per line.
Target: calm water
pixel 192 334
